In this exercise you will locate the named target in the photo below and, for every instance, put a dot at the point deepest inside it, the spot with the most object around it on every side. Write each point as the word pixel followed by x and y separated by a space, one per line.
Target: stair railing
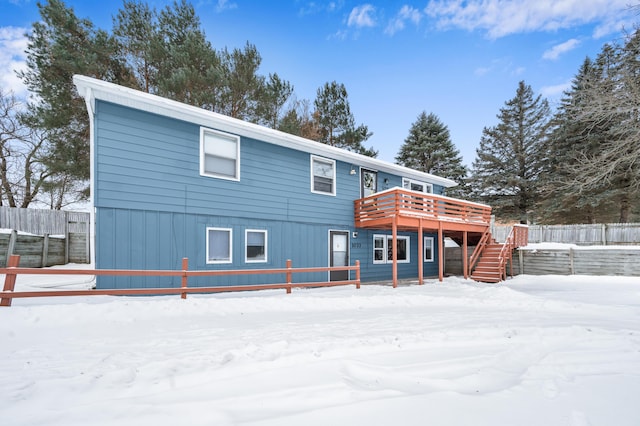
pixel 506 254
pixel 475 256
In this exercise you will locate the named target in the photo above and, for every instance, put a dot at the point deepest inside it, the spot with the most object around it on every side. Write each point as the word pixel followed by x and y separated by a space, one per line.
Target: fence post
pixel 358 274
pixel 11 246
pixel 185 266
pixel 604 234
pixel 45 250
pixel 66 237
pixel 289 263
pixel 10 279
pixel 572 270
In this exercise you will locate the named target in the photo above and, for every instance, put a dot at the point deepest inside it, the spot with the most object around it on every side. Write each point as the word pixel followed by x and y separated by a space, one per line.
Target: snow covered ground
pixel 536 350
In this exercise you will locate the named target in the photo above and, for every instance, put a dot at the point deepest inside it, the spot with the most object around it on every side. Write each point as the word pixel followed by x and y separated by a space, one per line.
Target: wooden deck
pixel 400 209
pixel 410 208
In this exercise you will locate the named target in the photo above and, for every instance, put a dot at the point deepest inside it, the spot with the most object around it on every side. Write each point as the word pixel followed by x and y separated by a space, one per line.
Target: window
pixel 219 245
pixel 323 176
pixel 219 154
pixel 428 249
pixel 384 243
pixel 256 246
pixel 415 185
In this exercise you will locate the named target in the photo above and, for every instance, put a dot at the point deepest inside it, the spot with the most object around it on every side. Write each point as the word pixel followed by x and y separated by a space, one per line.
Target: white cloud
pixel 406 13
pixel 225 5
pixel 561 48
pixel 554 91
pixel 13 44
pixel 362 16
pixel 503 17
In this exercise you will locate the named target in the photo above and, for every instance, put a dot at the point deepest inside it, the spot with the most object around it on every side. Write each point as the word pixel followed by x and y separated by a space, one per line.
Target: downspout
pixel 89 101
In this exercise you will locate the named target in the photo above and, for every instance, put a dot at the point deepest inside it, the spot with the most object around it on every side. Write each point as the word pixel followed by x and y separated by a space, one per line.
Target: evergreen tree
pixel 61 45
pixel 428 148
pixel 188 67
pixel 573 138
pixel 612 171
pixel 241 86
pixel 508 164
pixel 336 122
pixel 273 96
pixel 135 28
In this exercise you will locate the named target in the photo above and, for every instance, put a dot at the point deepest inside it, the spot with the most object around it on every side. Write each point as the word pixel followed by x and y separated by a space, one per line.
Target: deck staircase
pixel 490 268
pixel 489 263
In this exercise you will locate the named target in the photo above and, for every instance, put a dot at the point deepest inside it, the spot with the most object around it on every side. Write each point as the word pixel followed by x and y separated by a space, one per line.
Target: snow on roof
pixel 91 89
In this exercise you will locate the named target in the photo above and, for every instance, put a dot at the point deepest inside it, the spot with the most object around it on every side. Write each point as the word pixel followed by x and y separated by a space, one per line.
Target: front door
pixel 338 254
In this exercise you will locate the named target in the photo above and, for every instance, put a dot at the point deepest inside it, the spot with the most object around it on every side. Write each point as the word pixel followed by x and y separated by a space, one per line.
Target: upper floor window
pixel 219 154
pixel 323 175
pixel 415 185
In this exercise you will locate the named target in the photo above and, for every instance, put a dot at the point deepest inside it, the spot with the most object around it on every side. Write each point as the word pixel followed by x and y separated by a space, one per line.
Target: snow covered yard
pixel 536 350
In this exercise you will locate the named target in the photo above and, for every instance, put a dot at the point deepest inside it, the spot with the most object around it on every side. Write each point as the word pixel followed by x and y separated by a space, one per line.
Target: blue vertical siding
pixel 153 207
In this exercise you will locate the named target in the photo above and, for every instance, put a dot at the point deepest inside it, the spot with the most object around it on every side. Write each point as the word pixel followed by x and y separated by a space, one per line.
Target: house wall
pixel 153 207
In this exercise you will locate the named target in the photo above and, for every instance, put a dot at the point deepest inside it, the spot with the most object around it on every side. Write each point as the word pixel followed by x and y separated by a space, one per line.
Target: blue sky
pixel 458 59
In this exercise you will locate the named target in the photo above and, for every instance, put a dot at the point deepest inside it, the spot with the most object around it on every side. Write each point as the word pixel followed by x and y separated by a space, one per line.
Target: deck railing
pixel 398 201
pixel 13 270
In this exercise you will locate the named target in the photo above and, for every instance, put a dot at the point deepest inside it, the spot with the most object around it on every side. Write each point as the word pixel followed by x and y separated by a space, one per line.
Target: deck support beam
pixel 465 255
pixel 420 255
pixel 440 253
pixel 394 251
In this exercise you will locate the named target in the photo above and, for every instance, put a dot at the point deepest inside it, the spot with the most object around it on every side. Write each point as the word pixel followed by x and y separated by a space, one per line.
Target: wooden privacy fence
pixel 58 237
pixel 583 234
pixel 578 261
pixel 12 271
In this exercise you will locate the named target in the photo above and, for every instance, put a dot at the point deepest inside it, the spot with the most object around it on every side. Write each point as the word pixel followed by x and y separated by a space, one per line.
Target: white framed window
pixel 428 249
pixel 219 154
pixel 255 246
pixel 382 249
pixel 415 185
pixel 323 176
pixel 219 245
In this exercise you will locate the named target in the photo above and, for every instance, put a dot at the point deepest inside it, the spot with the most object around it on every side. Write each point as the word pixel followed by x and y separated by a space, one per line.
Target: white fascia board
pixel 136 99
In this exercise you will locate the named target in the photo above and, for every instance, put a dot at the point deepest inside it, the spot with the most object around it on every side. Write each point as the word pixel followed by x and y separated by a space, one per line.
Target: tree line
pixel 577 164
pixel 45 143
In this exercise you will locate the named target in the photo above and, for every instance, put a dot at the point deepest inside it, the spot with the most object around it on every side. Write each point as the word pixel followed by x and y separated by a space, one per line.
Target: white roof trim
pixel 102 90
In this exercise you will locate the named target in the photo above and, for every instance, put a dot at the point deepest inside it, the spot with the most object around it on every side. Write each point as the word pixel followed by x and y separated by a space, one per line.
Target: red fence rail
pixel 12 271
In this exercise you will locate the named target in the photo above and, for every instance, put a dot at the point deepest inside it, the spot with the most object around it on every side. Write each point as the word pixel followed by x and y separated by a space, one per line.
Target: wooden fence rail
pixel 12 271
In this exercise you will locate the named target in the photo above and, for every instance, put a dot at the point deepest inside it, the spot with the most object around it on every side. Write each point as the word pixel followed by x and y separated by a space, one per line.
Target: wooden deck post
pixel 185 266
pixel 465 255
pixel 289 263
pixel 10 279
pixel 394 251
pixel 440 253
pixel 420 254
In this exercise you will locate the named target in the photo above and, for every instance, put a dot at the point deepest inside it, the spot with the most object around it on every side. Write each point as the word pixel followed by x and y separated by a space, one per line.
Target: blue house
pixel 171 180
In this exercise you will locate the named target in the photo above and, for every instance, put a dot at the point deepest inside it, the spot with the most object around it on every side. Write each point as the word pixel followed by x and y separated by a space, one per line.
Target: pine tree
pixel 241 86
pixel 188 67
pixel 611 173
pixel 273 96
pixel 61 45
pixel 135 28
pixel 428 148
pixel 336 122
pixel 508 163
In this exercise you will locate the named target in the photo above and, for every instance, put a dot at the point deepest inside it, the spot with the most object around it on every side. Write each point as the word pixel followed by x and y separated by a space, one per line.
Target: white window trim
pixel 224 135
pixel 429 241
pixel 230 260
pixel 266 245
pixel 427 186
pixel 387 240
pixel 323 160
